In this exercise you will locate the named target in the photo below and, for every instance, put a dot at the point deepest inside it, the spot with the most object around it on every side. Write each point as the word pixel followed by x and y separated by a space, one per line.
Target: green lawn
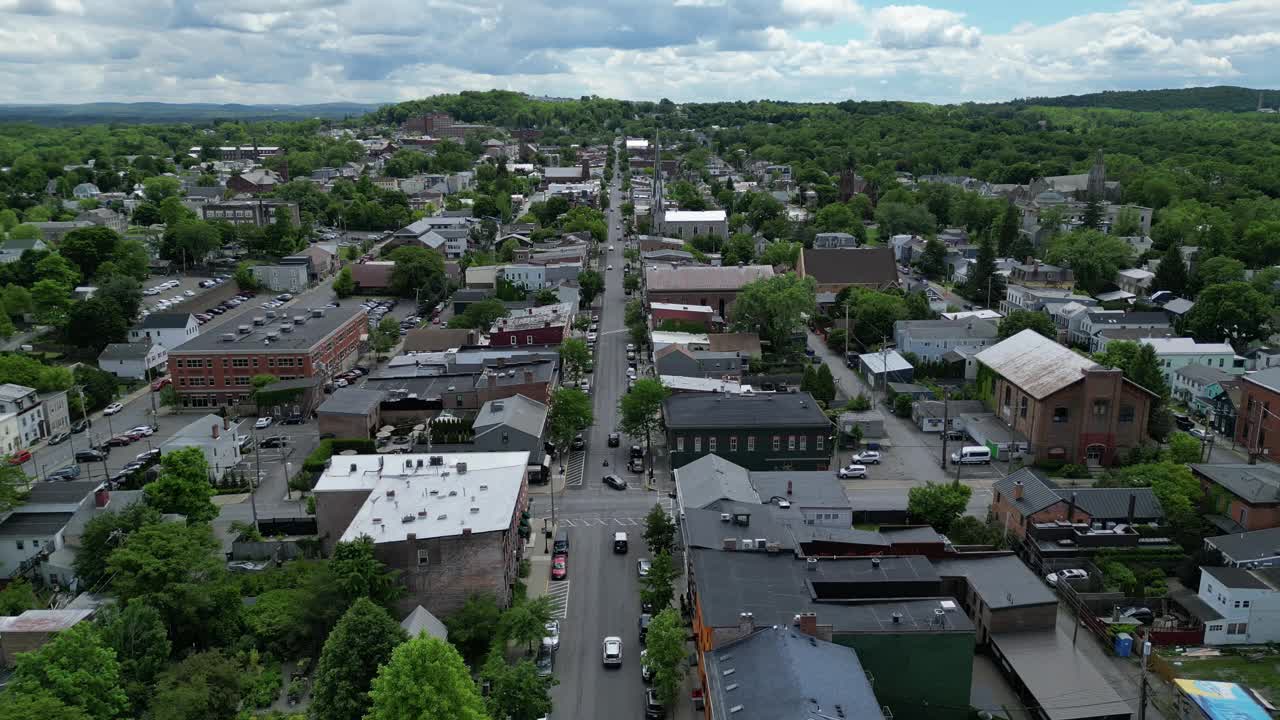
pixel 1261 675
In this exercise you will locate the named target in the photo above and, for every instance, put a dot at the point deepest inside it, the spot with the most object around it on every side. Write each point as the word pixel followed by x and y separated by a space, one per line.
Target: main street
pixel 604 591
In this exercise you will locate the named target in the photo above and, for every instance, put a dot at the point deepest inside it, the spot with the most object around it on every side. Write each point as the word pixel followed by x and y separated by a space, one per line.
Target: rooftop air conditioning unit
pixel 228 337
pixel 286 328
pixel 391 492
pixel 725 517
pixel 317 312
pixel 299 319
pixel 462 468
pixel 244 329
pixel 762 544
pixel 259 321
pixel 406 519
pixel 436 460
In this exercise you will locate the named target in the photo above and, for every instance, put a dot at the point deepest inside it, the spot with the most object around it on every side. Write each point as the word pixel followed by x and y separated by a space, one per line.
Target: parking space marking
pixel 558 592
pixel 577 463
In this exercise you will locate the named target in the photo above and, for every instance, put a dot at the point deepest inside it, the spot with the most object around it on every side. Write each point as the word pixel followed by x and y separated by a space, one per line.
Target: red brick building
pixel 547 325
pixel 1258 427
pixel 216 369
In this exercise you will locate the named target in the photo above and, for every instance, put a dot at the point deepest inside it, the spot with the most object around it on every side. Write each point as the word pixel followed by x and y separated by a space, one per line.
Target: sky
pixel 311 51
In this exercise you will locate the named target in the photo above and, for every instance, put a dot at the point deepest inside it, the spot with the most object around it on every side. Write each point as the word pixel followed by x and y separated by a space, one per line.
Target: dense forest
pixel 1220 98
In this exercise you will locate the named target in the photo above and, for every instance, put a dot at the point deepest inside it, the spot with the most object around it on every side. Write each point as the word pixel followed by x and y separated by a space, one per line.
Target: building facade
pixel 759 432
pixel 258 213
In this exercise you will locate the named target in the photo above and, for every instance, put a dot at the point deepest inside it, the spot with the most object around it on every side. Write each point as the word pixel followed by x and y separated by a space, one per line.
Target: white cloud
pixel 370 50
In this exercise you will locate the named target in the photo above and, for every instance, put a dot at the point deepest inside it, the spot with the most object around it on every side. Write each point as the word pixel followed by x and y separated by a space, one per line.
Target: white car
pixel 144 429
pixel 645 673
pixel 191 293
pixel 591 337
pixel 612 651
pixel 263 422
pixel 853 471
pixel 631 373
pixel 869 457
pixel 112 409
pixel 610 248
pixel 642 567
pixel 609 268
pixel 1200 434
pixel 551 640
pixel 1073 574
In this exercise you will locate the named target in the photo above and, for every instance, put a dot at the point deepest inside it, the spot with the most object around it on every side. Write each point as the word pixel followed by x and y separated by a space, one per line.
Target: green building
pixel 764 431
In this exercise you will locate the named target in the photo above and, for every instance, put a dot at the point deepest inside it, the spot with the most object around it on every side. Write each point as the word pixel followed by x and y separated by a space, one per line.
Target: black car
pixel 578 443
pixel 59 438
pixel 294 420
pixel 90 456
pixel 615 482
pixel 645 620
pixel 71 472
pixel 545 663
pixel 637 452
pixel 652 706
pixel 132 467
pixel 615 439
pixel 80 426
pixel 274 441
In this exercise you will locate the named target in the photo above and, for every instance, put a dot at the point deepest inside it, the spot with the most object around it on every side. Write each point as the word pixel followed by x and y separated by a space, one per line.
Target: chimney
pixel 216 431
pixel 1030 260
pixel 729 544
pixel 788 487
pixel 1017 489
pixel 226 423
pixel 1071 508
pixel 528 376
pixel 808 623
pixel 746 623
pixel 101 497
pixel 875 563
pixel 1133 502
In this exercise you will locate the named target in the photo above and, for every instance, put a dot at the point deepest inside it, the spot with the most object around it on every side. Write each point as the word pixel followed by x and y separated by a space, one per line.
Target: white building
pixel 1175 353
pixel 22 420
pixel 282 278
pixel 136 360
pixel 691 223
pixel 218 438
pixel 169 329
pixel 1247 600
pixel 34 530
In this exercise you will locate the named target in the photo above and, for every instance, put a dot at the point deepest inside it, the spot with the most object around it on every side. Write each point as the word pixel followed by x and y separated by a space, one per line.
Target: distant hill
pixel 1219 98
pixel 156 112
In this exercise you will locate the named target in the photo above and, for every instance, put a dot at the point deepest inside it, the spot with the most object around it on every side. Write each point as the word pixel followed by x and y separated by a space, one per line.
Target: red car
pixel 19 457
pixel 161 383
pixel 560 566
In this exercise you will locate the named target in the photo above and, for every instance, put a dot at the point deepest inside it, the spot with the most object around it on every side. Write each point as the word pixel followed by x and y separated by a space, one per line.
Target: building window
pixel 240 362
pixel 751 443
pixel 697 444
pixel 1244 604
pixel 514 340
pixel 1126 413
pixel 733 443
pixel 711 444
pixel 804 443
pixel 680 443
pixel 1236 604
pixel 1060 414
pixel 1022 407
pixel 242 380
pixel 1101 407
pixel 777 442
pixel 791 442
pixel 20 545
pixel 818 442
pixel 1008 396
pixel 1237 628
pixel 1215 628
pixel 423 558
pixel 528 339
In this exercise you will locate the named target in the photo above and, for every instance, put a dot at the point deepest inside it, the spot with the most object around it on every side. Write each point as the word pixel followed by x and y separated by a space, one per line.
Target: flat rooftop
pixel 1065 683
pixel 461 492
pixel 271 336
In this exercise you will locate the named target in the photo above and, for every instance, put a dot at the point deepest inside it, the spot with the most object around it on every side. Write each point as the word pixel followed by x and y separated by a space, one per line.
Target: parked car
pixel 263 422
pixel 80 426
pixel 611 651
pixel 1200 434
pixel 294 419
pixel 112 409
pixel 560 567
pixel 161 383
pixel 578 443
pixel 645 620
pixel 868 457
pixel 614 439
pixel 59 438
pixel 636 465
pixel 642 567
pixel 143 430
pixel 615 482
pixel 69 472
pixel 646 674
pixel 552 638
pixel 1142 615
pixel 19 457
pixel 119 441
pixel 274 441
pixel 148 455
pixel 636 452
pixel 90 456
pixel 853 470
pixel 545 663
pixel 1073 574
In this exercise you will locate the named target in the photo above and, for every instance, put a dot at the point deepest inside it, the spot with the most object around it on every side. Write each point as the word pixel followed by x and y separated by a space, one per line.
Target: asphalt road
pixel 604 590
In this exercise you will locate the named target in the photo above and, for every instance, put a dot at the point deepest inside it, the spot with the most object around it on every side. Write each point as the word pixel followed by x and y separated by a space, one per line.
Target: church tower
pixel 1097 187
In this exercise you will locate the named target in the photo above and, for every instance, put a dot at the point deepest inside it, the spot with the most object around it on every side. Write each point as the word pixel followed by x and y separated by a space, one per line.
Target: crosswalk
pixel 575 467
pixel 558 592
pixel 600 521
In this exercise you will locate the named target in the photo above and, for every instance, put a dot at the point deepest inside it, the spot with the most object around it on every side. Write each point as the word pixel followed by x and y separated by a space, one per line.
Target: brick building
pixel 1026 497
pixel 1258 428
pixel 546 325
pixel 259 213
pixel 716 287
pixel 216 369
pixel 450 525
pixel 1243 497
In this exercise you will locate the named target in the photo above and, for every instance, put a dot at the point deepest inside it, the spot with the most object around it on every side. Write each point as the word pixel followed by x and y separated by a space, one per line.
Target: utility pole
pixel 1142 685
pixel 846 333
pixel 946 426
pixel 253 482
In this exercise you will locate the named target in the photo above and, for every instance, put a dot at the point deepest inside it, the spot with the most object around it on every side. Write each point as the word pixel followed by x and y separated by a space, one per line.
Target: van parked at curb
pixel 972 455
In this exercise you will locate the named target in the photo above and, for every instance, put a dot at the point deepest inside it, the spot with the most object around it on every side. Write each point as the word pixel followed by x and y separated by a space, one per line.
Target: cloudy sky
pixel 303 51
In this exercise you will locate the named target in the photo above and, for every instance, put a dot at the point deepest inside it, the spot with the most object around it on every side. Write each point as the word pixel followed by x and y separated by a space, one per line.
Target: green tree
pixel 159 188
pixel 1128 223
pixel 1218 270
pixel 244 277
pixel 897 218
pixel 344 285
pixel 517 691
pixel 204 686
pixel 26 231
pixel 104 533
pixel 1234 312
pixel 774 307
pixel 474 626
pixel 507 250
pixel 480 315
pixel 183 486
pixel 424 680
pixel 659 531
pixel 1092 214
pixel 984 284
pixel 8 220
pixel 824 385
pixel 1007 234
pixel 137 635
pixel 658 587
pixel 525 622
pixel 76 668
pixel 58 269
pixel 575 356
pixel 279 621
pixel 1094 258
pixel 130 259
pixel 27 704
pixel 362 641
pixel 357 573
pixel 938 505
pixel 89 247
pixel 17 598
pixel 969 530
pixel 93 323
pixel 640 411
pixel 17 300
pixel 590 284
pixel 386 335
pixel 933 261
pixel 666 656
pixel 417 269
pixel 193 240
pixel 1184 449
pixel 902 405
pixel 1019 320
pixel 570 414
pixel 781 253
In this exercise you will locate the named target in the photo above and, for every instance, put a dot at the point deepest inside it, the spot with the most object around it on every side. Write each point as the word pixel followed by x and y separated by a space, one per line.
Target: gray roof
pixel 124 351
pixel 711 478
pixel 706 529
pixel 779 673
pixel 1064 681
pixel 1003 581
pixel 1036 364
pixel 966 328
pixel 1204 374
pixel 1255 484
pixel 33 525
pixel 420 620
pixel 1248 546
pixel 22 243
pixel 517 412
pixel 352 401
pixel 1179 306
pixel 61 492
pixel 954 408
pixel 165 320
pixel 821 489
pixel 1132 318
pixel 301 337
pixel 1036 493
pixel 1269 378
pixel 1240 578
pixel 699 410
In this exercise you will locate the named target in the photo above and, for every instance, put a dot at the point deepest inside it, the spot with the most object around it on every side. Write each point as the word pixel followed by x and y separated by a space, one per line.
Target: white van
pixel 972 455
pixel 620 542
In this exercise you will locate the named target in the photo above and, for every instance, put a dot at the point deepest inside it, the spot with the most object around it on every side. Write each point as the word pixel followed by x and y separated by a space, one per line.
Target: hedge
pixel 316 461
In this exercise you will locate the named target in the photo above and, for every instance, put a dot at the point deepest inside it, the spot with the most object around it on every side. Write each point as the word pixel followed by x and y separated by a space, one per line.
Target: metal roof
pixel 352 401
pixel 1269 378
pixel 420 620
pixel 766 410
pixel 711 478
pixel 517 412
pixel 1063 681
pixel 1037 365
pixel 1248 546
pixel 33 524
pixel 1238 578
pixel 1255 484
pixel 1003 581
pixel 696 278
pixel 818 489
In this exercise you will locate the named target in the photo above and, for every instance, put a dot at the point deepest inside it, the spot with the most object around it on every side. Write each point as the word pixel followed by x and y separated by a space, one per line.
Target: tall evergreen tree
pixel 933 261
pixel 1007 234
pixel 985 284
pixel 1171 273
pixel 1093 214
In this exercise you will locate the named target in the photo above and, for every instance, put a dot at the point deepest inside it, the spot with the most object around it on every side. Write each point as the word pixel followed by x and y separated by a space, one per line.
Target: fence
pixel 287 526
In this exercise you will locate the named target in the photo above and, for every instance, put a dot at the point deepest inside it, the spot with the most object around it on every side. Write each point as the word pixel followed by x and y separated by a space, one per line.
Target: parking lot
pixel 170 288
